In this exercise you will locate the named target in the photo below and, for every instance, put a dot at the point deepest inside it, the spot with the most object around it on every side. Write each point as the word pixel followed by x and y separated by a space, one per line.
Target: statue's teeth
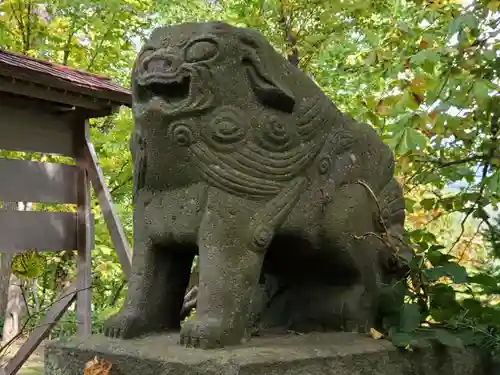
pixel 156 65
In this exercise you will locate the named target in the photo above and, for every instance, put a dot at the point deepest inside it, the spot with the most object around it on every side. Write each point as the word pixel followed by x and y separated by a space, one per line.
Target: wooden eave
pixel 96 107
pixel 92 99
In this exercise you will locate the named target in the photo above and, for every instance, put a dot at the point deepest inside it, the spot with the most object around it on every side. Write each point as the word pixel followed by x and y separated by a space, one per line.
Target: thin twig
pixel 444 164
pixel 30 317
pixel 478 229
pixel 382 221
pixel 484 174
pixel 21 333
pixel 117 293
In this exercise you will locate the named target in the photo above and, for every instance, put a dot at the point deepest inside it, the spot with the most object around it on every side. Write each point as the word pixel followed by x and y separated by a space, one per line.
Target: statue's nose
pixel 161 63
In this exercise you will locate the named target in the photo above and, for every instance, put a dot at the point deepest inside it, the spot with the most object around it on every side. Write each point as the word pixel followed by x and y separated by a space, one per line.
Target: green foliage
pixel 191 315
pixel 442 301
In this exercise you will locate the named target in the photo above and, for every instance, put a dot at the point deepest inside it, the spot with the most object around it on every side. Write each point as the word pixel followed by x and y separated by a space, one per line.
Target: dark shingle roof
pixel 29 69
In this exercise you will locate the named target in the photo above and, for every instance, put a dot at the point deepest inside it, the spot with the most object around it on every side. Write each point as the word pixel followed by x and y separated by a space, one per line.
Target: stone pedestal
pixel 312 354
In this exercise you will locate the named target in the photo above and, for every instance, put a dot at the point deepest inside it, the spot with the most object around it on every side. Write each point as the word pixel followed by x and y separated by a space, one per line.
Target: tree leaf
pixel 376 335
pixel 418 85
pixel 483 279
pixel 410 317
pixel 494 182
pixel 371 58
pixel 428 203
pixel 447 338
pixel 493 5
pixel 457 272
pixel 481 90
pixel 426 55
pixel 437 258
pixel 407 139
pixel 416 139
pixel 474 307
pixel 97 367
pixel 450 269
pixel 464 20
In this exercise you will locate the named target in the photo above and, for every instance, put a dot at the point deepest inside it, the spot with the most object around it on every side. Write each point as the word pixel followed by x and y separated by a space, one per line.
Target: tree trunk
pixel 16 309
pixel 5 260
pixel 16 305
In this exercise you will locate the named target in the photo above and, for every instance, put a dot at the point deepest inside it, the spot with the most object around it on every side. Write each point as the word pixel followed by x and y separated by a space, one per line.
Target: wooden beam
pixel 117 97
pixel 44 231
pixel 19 101
pixel 54 108
pixel 85 235
pixel 31 181
pixel 41 332
pixel 33 130
pixel 38 91
pixel 106 202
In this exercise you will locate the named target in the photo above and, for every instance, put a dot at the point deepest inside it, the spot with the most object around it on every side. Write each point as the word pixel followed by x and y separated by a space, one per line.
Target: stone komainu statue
pixel 239 157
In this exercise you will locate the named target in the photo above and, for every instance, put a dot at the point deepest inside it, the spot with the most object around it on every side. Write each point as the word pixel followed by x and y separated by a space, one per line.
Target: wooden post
pixel 108 211
pixel 84 235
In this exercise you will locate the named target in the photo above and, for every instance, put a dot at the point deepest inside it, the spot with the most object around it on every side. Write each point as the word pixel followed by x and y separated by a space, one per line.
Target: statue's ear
pixel 265 84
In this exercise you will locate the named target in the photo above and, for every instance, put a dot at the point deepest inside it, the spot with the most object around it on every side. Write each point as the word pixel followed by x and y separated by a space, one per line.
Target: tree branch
pixel 449 163
pixel 28 25
pixel 66 48
pixel 100 43
pixel 289 38
pixel 20 23
pixel 120 185
pixel 484 174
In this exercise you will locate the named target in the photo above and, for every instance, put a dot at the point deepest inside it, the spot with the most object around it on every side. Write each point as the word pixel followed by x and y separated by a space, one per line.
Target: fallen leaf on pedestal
pixel 376 335
pixel 97 367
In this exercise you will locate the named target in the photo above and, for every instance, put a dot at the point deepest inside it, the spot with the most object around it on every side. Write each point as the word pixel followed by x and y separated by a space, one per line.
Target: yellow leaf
pixel 493 5
pixel 28 265
pixel 97 367
pixel 436 4
pixel 376 335
pixel 382 110
pixel 418 85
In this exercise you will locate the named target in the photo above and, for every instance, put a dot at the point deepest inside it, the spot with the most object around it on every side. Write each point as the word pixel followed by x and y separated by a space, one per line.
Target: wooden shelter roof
pixel 39 79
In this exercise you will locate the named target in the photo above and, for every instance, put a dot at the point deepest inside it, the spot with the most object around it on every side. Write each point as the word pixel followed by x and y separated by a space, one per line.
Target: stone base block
pixel 311 354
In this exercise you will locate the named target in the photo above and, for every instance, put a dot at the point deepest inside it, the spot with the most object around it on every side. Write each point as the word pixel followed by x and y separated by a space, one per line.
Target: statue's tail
pixel 392 205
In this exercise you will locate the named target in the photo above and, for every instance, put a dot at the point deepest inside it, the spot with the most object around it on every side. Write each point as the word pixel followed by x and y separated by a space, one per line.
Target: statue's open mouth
pixel 172 90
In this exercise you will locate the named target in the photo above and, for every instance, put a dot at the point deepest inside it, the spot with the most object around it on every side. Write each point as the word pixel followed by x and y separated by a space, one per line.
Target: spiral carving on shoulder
pixel 181 133
pixel 274 135
pixel 227 129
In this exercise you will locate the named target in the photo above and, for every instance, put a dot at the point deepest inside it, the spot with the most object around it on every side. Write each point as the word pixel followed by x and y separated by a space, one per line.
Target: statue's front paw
pixel 207 333
pixel 125 325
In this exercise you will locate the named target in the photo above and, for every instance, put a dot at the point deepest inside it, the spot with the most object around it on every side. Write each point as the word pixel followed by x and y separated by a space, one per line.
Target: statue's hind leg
pixel 350 226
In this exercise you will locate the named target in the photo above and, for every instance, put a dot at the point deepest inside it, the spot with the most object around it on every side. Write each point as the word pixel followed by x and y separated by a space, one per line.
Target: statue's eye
pixel 201 51
pixel 145 53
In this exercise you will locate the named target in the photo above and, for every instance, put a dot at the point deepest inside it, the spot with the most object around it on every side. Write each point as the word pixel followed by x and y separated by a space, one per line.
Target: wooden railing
pixel 21 180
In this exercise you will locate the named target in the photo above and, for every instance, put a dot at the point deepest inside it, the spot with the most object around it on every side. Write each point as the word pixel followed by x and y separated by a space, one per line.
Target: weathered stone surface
pixel 240 157
pixel 311 354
